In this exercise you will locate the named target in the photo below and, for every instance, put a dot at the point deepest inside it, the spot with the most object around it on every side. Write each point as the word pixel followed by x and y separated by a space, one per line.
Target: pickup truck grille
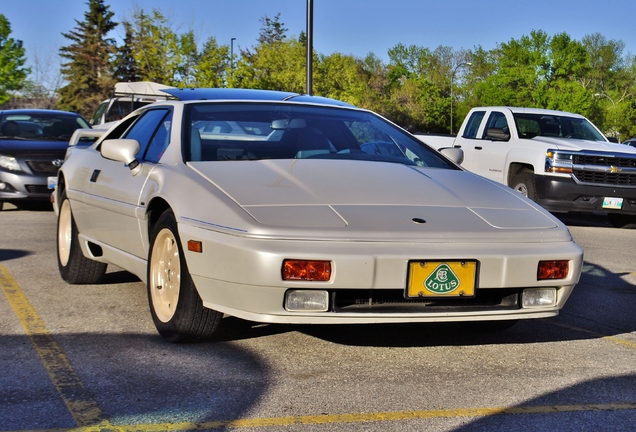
pixel 583 159
pixel 604 169
pixel 605 178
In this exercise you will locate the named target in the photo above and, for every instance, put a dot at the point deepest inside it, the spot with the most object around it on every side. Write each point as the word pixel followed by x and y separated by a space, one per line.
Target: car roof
pixel 37 111
pixel 196 94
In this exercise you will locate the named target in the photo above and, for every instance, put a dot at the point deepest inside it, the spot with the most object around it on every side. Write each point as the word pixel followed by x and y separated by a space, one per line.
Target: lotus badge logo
pixel 58 162
pixel 442 280
pixel 614 169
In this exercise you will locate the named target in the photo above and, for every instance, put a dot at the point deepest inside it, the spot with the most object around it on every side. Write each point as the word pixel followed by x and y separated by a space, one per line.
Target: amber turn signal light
pixel 553 270
pixel 307 270
pixel 195 246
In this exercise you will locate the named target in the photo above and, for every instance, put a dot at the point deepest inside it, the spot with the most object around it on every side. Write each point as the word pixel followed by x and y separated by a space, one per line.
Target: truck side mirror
pixel 497 134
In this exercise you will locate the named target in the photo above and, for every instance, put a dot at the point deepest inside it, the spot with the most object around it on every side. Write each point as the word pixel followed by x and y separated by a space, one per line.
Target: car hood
pixel 23 146
pixel 373 200
pixel 576 145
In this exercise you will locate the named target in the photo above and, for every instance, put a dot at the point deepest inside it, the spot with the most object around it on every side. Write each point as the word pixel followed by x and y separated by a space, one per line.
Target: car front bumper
pixel 241 276
pixel 562 194
pixel 21 186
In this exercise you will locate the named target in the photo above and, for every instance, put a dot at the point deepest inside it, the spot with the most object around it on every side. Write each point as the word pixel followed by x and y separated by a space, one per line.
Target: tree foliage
pixel 418 87
pixel 13 74
pixel 88 70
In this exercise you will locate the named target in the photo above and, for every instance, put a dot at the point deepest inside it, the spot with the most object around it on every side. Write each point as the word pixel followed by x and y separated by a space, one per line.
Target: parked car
pixel 284 208
pixel 127 97
pixel 32 148
pixel 558 159
pixel 630 142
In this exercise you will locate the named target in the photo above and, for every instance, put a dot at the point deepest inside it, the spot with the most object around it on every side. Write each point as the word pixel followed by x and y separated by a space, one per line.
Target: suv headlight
pixel 9 163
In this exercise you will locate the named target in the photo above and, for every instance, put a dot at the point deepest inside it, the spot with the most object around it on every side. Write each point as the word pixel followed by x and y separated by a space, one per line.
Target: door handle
pixel 478 148
pixel 95 175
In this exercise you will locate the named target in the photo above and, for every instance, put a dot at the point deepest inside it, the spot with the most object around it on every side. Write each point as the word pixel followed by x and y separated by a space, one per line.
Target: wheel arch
pixel 515 168
pixel 155 208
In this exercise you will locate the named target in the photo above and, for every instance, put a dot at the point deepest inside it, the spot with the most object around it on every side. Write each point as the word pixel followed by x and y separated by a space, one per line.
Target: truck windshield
pixel 549 125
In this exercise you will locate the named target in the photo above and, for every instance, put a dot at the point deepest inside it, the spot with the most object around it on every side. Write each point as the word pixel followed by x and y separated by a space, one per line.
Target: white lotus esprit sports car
pixel 283 208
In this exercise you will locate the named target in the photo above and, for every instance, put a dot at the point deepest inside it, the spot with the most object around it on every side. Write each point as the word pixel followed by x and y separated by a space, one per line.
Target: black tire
pixel 619 220
pixel 525 184
pixel 175 305
pixel 74 267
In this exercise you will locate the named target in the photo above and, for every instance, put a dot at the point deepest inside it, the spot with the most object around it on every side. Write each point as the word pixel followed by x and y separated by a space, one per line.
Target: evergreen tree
pixel 126 68
pixel 12 60
pixel 88 70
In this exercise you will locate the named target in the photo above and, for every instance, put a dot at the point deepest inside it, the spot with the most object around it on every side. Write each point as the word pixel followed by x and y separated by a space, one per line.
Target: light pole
pixel 451 91
pixel 232 53
pixel 618 134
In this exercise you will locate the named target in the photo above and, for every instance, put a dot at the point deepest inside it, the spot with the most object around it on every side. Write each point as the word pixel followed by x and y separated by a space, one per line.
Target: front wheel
pixel 525 184
pixel 619 220
pixel 175 305
pixel 74 267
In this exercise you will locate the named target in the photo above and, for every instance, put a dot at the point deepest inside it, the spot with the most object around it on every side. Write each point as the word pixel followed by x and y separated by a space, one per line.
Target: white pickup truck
pixel 558 159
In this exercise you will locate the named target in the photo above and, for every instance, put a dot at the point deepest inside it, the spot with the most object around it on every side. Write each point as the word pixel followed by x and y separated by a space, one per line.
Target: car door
pixel 116 191
pixel 490 155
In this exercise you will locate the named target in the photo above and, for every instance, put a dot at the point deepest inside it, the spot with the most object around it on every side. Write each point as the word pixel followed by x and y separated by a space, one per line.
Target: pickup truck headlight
pixel 558 162
pixel 9 163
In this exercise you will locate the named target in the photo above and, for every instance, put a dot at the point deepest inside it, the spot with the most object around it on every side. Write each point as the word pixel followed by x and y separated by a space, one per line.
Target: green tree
pixel 13 74
pixel 213 64
pixel 155 48
pixel 125 66
pixel 88 70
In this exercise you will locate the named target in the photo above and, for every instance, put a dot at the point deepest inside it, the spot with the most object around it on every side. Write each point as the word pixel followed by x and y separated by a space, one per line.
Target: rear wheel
pixel 74 267
pixel 175 305
pixel 525 184
pixel 620 220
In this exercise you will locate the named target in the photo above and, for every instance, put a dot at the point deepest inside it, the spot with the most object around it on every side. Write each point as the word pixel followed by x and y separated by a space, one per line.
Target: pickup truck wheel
pixel 524 183
pixel 619 220
pixel 74 267
pixel 175 305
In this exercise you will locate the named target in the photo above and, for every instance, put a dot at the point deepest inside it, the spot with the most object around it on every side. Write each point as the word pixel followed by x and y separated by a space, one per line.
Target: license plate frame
pixel 51 182
pixel 614 203
pixel 441 275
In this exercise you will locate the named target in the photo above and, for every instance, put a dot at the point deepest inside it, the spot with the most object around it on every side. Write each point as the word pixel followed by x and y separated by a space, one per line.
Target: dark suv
pixel 32 148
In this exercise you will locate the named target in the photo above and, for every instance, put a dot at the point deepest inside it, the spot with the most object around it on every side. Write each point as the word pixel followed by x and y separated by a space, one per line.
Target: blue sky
pixel 347 26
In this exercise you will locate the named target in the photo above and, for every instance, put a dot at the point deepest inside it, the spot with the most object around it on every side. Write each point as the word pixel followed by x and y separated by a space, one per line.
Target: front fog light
pixel 538 297
pixel 307 300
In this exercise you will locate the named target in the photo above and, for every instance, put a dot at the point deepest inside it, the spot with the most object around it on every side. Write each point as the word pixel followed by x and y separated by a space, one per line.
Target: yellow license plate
pixel 441 279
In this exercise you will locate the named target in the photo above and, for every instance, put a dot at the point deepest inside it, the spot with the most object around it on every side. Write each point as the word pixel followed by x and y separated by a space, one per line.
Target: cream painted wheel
pixel 176 308
pixel 74 267
pixel 64 233
pixel 165 275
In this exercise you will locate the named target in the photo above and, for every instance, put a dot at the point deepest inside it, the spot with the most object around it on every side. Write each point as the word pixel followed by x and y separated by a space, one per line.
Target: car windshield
pixel 39 126
pixel 533 125
pixel 253 131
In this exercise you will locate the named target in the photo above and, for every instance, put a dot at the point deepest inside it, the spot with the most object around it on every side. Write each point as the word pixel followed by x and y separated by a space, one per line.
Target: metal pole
pixel 310 45
pixel 232 53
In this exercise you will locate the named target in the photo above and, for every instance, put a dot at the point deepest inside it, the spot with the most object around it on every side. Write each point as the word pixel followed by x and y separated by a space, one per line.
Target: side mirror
pixel 453 153
pixel 121 150
pixel 497 134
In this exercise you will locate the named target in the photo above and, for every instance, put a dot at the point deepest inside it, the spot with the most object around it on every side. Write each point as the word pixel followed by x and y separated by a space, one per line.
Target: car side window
pixel 146 128
pixel 160 140
pixel 473 124
pixel 497 120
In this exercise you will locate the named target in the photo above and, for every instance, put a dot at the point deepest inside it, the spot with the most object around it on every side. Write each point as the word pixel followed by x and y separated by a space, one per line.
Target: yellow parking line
pixel 68 384
pixel 614 339
pixel 365 417
pixel 89 416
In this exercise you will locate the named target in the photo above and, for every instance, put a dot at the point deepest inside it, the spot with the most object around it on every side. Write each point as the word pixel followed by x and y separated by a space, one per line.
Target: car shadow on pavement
pixel 133 379
pixel 10 254
pixel 584 219
pixel 603 404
